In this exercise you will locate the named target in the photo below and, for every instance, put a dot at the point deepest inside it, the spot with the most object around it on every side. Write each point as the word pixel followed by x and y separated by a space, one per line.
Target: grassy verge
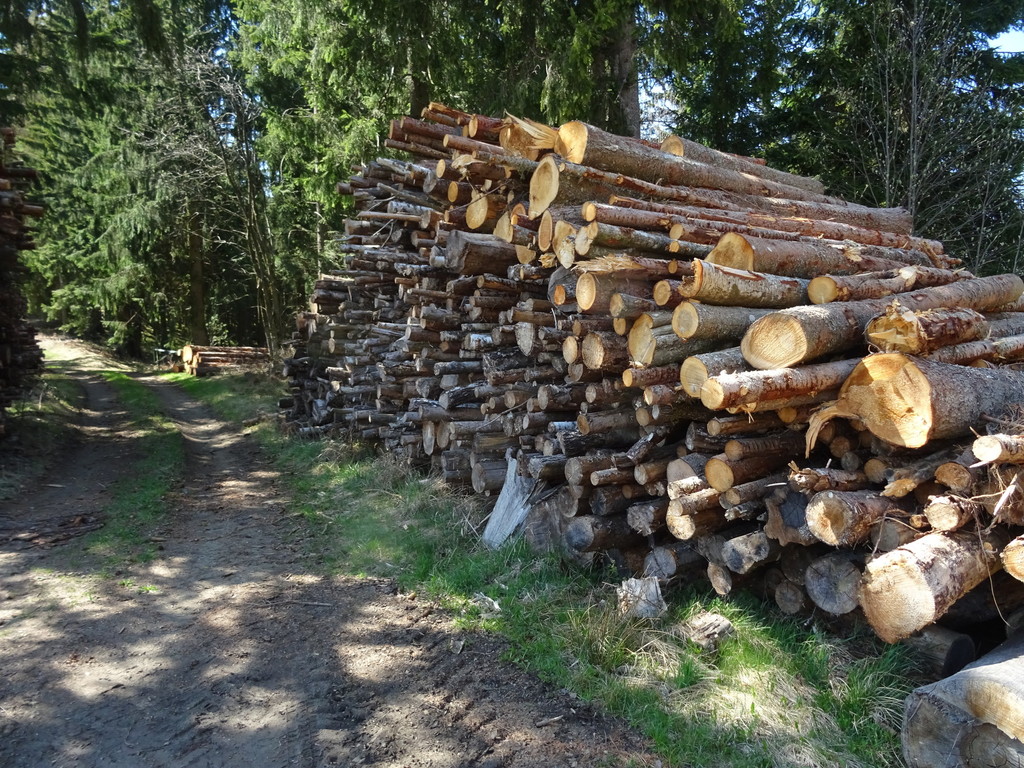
pixel 778 693
pixel 38 425
pixel 138 501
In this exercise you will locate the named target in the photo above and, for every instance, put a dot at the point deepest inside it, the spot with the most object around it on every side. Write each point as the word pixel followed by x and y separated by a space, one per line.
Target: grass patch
pixel 139 501
pixel 37 426
pixel 778 693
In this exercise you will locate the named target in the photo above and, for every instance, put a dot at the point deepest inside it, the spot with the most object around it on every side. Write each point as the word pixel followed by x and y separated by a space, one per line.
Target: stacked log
pixel 678 351
pixel 20 356
pixel 206 360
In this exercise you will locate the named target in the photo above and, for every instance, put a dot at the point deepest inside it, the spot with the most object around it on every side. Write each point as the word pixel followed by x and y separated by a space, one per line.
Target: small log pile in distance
pixel 673 344
pixel 206 361
pixel 20 356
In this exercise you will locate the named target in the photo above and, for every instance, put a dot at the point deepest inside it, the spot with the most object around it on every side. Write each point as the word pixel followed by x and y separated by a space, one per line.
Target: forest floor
pixel 226 649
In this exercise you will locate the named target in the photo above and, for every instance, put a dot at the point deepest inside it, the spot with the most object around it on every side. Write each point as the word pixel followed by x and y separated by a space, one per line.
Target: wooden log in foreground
pixel 973 718
pixel 913 586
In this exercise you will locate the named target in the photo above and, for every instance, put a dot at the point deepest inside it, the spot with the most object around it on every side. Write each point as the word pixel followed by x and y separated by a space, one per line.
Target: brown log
pixel 833 580
pixel 785 444
pixel 687 527
pixel 723 473
pixel 918 333
pixel 824 289
pixel 809 258
pixel 800 334
pixel 971 718
pixel 477 254
pixel 589 533
pixel 906 478
pixel 729 390
pixel 868 226
pixel 950 513
pixel 650 377
pixel 624 306
pixel 677 145
pixel 811 481
pixel 587 145
pixel 1008 349
pixel 844 518
pixel 602 351
pixel 1001 448
pixel 1012 557
pixel 652 342
pixel 713 284
pixel 959 475
pixel 623 238
pixel 910 401
pixel 753 490
pixel 911 587
pixel 594 290
pixel 692 320
pixel 725 426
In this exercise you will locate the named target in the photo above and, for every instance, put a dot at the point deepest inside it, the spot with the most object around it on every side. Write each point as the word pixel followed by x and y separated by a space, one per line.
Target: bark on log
pixel 999 448
pixel 697 369
pixel 832 581
pixel 800 334
pixel 918 333
pixel 911 587
pixel 730 390
pixel 693 320
pixel 682 147
pixel 591 146
pixel 910 401
pixel 972 718
pixel 844 518
pixel 713 284
pixel 824 289
pixel 809 258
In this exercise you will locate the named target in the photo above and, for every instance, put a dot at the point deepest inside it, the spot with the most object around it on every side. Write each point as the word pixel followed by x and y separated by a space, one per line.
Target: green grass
pixel 38 425
pixel 139 501
pixel 778 693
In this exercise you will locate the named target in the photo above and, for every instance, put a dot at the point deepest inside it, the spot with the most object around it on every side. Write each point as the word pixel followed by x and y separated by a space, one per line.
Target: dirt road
pixel 225 652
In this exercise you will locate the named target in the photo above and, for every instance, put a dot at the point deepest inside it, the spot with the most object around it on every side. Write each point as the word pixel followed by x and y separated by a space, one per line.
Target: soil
pixel 226 650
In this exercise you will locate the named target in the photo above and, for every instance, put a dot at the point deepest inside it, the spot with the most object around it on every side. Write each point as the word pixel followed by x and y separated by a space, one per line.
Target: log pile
pixel 705 366
pixel 206 361
pixel 20 356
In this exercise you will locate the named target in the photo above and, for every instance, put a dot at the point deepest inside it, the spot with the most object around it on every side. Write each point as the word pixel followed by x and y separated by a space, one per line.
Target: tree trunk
pixel 694 320
pixel 697 369
pixel 728 390
pixel 971 718
pixel 587 145
pixel 911 587
pixel 800 334
pixel 844 518
pixel 712 284
pixel 910 401
pixel 824 289
pixel 197 285
pixel 808 258
pixel 918 333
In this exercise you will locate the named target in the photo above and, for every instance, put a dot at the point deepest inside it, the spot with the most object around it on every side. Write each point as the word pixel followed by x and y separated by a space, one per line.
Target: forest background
pixel 189 150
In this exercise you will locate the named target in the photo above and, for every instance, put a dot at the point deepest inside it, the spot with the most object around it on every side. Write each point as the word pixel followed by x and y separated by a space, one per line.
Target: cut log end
pixel 774 341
